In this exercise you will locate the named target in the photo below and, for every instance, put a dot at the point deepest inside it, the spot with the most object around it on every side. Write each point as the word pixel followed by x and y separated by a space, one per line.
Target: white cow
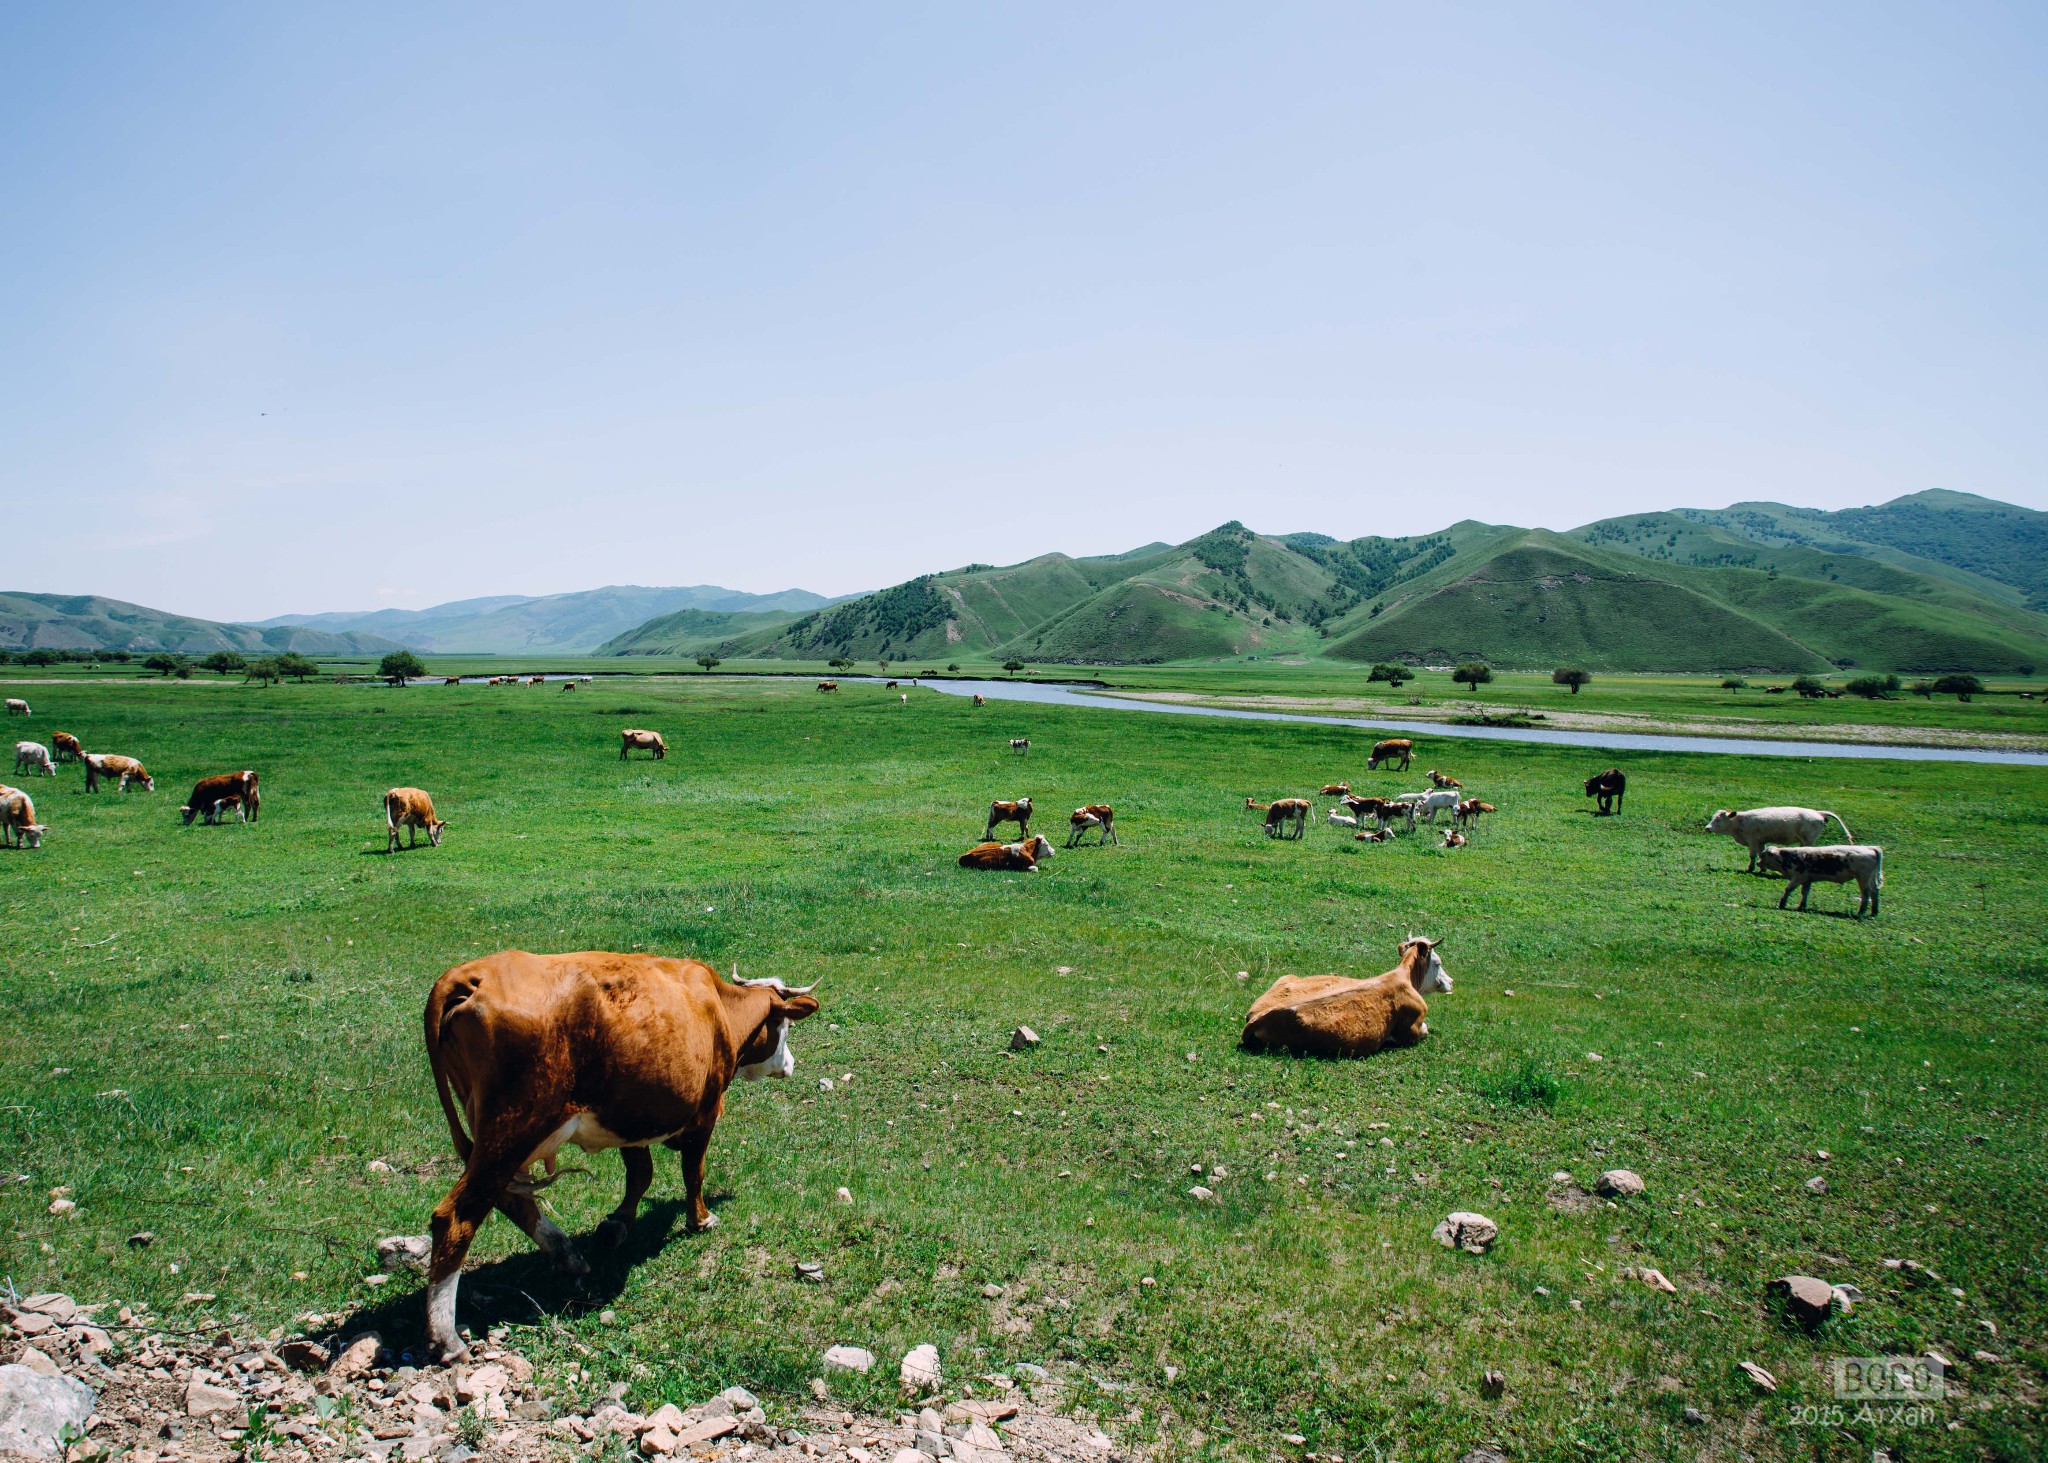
pixel 1440 800
pixel 1794 827
pixel 17 707
pixel 33 756
pixel 18 825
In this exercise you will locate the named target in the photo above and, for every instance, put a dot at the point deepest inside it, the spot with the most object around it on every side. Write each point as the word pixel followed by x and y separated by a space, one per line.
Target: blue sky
pixel 310 308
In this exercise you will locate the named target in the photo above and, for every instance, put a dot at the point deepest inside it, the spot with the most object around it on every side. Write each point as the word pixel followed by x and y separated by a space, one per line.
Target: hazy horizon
pixel 312 312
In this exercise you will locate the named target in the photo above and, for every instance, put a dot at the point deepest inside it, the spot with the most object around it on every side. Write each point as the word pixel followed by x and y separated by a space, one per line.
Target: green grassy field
pixel 213 1032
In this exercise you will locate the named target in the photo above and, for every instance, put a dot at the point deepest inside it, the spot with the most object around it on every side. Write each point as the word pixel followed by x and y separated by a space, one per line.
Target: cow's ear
pixel 798 1007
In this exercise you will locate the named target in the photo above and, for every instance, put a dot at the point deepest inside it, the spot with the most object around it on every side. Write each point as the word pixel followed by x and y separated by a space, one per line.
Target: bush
pixel 166 665
pixel 1873 688
pixel 1568 675
pixel 1810 687
pixel 400 666
pixel 1392 673
pixel 1473 673
pixel 223 661
pixel 1960 687
pixel 1733 683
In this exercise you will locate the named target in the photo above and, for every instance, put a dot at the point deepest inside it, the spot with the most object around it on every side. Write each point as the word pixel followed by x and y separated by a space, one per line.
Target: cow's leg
pixel 1785 896
pixel 692 1147
pixel 639 1176
pixel 454 1225
pixel 524 1211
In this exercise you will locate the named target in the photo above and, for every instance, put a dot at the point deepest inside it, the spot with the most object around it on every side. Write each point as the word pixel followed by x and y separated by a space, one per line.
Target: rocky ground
pixel 79 1384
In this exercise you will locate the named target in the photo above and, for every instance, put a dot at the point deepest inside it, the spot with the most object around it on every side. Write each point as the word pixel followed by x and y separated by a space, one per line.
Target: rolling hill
pixel 1938 581
pixel 91 622
pixel 558 624
pixel 692 632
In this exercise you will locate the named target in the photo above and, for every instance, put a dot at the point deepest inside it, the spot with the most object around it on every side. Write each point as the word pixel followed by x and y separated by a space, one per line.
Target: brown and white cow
pixel 1468 812
pixel 1382 811
pixel 67 747
pixel 212 797
pixel 122 770
pixel 33 757
pixel 569 685
pixel 1336 1016
pixel 1400 748
pixel 1610 787
pixel 17 707
pixel 1015 858
pixel 1018 812
pixel 410 809
pixel 1334 790
pixel 979 699
pixel 828 685
pixel 1099 816
pixel 634 737
pixel 18 825
pixel 1454 839
pixel 1021 746
pixel 599 1049
pixel 1282 811
pixel 1438 780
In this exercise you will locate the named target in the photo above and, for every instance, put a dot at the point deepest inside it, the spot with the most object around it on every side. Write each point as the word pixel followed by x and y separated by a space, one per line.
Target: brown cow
pixel 1335 1016
pixel 1609 787
pixel 123 770
pixel 828 685
pixel 979 700
pixel 646 741
pixel 1468 811
pixel 1017 858
pixel 1334 790
pixel 1280 812
pixel 18 825
pixel 67 747
pixel 595 1048
pixel 1018 812
pixel 1099 816
pixel 1387 751
pixel 412 810
pixel 213 796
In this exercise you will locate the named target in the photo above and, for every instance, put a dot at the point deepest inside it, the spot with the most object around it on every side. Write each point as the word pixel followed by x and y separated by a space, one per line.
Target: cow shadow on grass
pixel 524 1287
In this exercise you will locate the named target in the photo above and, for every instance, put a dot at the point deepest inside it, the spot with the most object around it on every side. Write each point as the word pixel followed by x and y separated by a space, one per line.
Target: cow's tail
pixel 1878 883
pixel 1847 836
pixel 437 1010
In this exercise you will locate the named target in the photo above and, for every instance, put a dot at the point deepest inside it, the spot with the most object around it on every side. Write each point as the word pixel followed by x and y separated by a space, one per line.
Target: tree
pixel 709 662
pixel 1732 683
pixel 953 667
pixel 41 657
pixel 164 664
pixel 223 661
pixel 1013 666
pixel 297 666
pixel 1922 688
pixel 1873 688
pixel 1390 672
pixel 264 669
pixel 400 666
pixel 884 664
pixel 840 663
pixel 1570 675
pixel 1473 673
pixel 1959 686
pixel 119 657
pixel 1811 687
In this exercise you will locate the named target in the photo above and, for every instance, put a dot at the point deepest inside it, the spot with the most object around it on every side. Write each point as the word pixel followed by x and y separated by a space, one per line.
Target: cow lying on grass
pixel 1438 780
pixel 1099 816
pixel 1755 827
pixel 1336 1016
pixel 1008 858
pixel 603 1050
pixel 1840 863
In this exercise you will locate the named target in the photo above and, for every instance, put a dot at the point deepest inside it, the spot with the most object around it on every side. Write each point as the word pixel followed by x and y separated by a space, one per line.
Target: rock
pixel 1986 1358
pixel 1464 1230
pixel 142 1239
pixel 206 1399
pixel 909 1455
pixel 844 1196
pixel 741 1398
pixel 1844 1297
pixel 1031 1372
pixel 1656 1280
pixel 659 1441
pixel 1618 1183
pixel 1816 1185
pixel 1201 1195
pixel 399 1252
pixel 481 1382
pixel 1484 1455
pixel 1023 1039
pixel 33 1323
pixel 357 1357
pixel 1695 1418
pixel 849 1359
pixel 819 1389
pixel 920 1371
pixel 1758 1375
pixel 37 1412
pixel 991 1291
pixel 304 1356
pixel 38 1360
pixel 826 1084
pixel 1809 1301
pixel 811 1271
pixel 1493 1384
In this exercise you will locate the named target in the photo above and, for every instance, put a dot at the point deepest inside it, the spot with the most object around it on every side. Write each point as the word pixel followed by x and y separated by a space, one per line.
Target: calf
pixel 1438 780
pixel 213 796
pixel 568 685
pixel 1608 787
pixel 1017 858
pixel 1836 863
pixel 18 825
pixel 1373 835
pixel 1282 811
pixel 1387 751
pixel 1468 811
pixel 123 770
pixel 68 749
pixel 1382 811
pixel 1018 812
pixel 890 686
pixel 1439 800
pixel 1454 839
pixel 1334 790
pixel 1020 745
pixel 1342 820
pixel 33 757
pixel 828 685
pixel 1099 816
pixel 1335 1016
pixel 412 810
pixel 17 707
pixel 979 699
pixel 1755 827
pixel 634 737
pixel 599 1049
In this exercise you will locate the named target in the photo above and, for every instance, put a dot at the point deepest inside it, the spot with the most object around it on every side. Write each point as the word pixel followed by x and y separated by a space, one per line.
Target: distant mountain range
pixel 1934 581
pixel 90 622
pixel 553 624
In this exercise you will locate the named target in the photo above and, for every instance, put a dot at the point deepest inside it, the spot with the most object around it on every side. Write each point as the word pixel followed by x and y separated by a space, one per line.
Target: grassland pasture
pixel 213 1032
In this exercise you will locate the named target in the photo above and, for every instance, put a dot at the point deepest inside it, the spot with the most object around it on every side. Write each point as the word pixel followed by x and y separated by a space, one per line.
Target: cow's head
pixel 1722 821
pixel 1425 966
pixel 1771 859
pixel 190 812
pixel 1040 847
pixel 148 782
pixel 32 833
pixel 765 1051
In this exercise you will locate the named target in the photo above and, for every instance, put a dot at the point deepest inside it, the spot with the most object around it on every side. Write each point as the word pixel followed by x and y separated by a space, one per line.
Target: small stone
pixel 1464 1230
pixel 378 1165
pixel 304 1356
pixel 810 1271
pixel 1695 1418
pixel 1758 1375
pixel 357 1357
pixel 843 1196
pixel 1618 1183
pixel 481 1382
pixel 920 1371
pixel 400 1252
pixel 40 1413
pixel 1202 1195
pixel 819 1389
pixel 826 1084
pixel 142 1239
pixel 741 1398
pixel 607 1318
pixel 1493 1384
pixel 205 1399
pixel 1816 1185
pixel 718 1407
pixel 1023 1039
pixel 909 1455
pixel 1294 1440
pixel 62 1207
pixel 848 1359
pixel 1031 1372
pixel 1810 1301
pixel 1484 1455
pixel 1844 1297
pixel 33 1323
pixel 1986 1358
pixel 991 1291
pixel 1656 1280
pixel 705 1431
pixel 658 1441
pixel 38 1360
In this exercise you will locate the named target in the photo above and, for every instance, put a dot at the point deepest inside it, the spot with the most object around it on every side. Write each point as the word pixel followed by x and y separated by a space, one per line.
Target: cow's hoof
pixel 568 1262
pixel 453 1355
pixel 612 1233
pixel 698 1226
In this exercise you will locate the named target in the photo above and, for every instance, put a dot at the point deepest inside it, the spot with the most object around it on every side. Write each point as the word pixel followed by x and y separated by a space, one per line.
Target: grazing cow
pixel 18 825
pixel 17 707
pixel 213 796
pixel 1021 746
pixel 124 770
pixel 890 686
pixel 1836 863
pixel 1468 811
pixel 647 741
pixel 1438 780
pixel 1755 827
pixel 568 685
pixel 412 810
pixel 451 680
pixel 1334 790
pixel 1282 811
pixel 1609 787
pixel 1017 858
pixel 1018 812
pixel 68 749
pixel 979 699
pixel 1099 816
pixel 33 756
pixel 1437 800
pixel 1399 747
pixel 828 685
pixel 599 1049
pixel 1454 839
pixel 1335 1016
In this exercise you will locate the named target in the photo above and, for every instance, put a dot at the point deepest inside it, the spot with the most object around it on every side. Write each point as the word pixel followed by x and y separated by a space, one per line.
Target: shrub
pixel 1568 675
pixel 400 666
pixel 1873 688
pixel 1473 673
pixel 1390 672
pixel 1959 686
pixel 1733 683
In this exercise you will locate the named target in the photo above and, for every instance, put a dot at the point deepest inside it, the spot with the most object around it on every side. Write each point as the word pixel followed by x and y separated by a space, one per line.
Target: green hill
pixel 692 632
pixel 91 622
